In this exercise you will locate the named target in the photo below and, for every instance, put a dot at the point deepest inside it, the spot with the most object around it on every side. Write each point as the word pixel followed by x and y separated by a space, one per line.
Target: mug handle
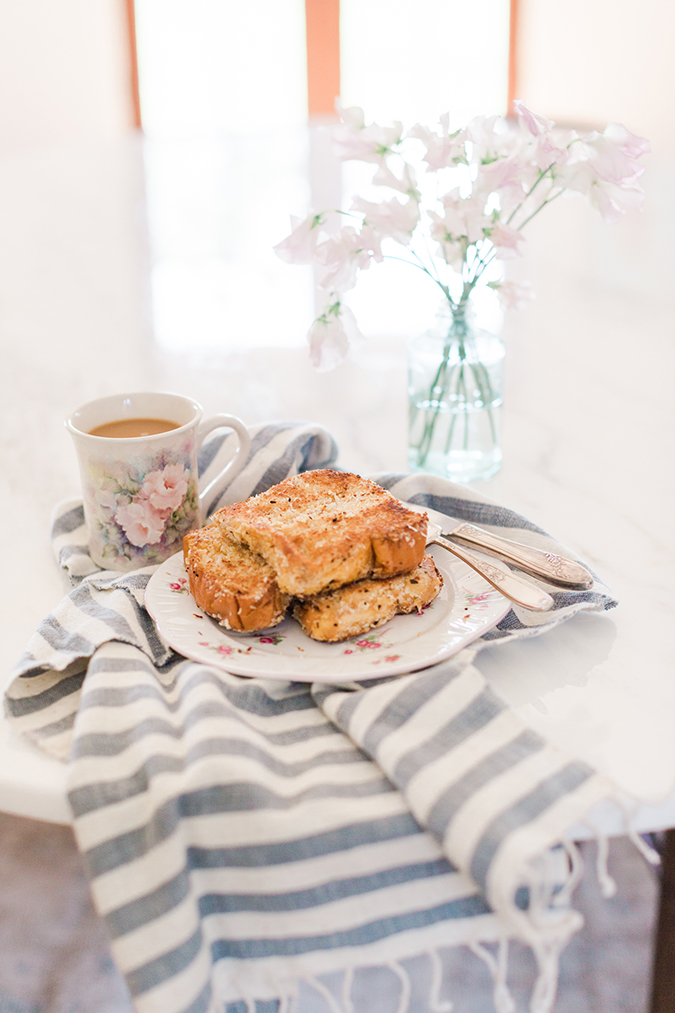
pixel 232 469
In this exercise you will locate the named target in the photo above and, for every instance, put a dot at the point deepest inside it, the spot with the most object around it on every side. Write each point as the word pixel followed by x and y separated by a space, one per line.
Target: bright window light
pixel 209 67
pixel 412 60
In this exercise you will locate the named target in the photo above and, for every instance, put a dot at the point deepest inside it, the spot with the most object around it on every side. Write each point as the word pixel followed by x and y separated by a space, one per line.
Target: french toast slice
pixel 323 529
pixel 230 584
pixel 356 608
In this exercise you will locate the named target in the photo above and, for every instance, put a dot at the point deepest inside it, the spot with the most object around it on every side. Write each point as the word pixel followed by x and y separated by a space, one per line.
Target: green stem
pixel 439 381
pixel 549 200
pixel 529 193
pixel 444 288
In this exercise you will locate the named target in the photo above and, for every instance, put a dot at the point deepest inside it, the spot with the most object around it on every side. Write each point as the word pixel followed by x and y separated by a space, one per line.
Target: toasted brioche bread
pixel 324 529
pixel 230 584
pixel 356 608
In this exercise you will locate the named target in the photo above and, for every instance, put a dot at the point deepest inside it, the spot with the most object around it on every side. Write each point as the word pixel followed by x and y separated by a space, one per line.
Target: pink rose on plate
pixel 165 490
pixel 142 524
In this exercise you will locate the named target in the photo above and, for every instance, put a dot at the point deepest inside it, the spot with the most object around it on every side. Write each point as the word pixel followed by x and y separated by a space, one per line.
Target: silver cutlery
pixel 522 592
pixel 552 567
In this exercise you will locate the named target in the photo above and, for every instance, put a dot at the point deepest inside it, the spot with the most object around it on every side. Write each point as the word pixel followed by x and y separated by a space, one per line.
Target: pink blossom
pixel 299 247
pixel 611 199
pixel 490 139
pixel 407 184
pixel 463 218
pixel 390 218
pixel 509 177
pixel 141 523
pixel 630 144
pixel 344 255
pixel 166 489
pixel 330 337
pixel 535 124
pixel 506 240
pixel 354 140
pixel 453 248
pixel 513 295
pixel 609 161
pixel 547 152
pixel 444 149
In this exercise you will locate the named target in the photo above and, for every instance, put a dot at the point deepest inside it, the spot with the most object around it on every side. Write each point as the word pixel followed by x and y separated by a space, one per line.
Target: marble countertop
pixel 588 435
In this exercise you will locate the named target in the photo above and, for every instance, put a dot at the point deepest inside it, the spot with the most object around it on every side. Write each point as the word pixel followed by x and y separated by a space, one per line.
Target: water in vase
pixel 455 399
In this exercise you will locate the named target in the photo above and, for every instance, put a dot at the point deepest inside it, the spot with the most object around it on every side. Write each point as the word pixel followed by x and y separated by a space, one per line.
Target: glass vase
pixel 455 397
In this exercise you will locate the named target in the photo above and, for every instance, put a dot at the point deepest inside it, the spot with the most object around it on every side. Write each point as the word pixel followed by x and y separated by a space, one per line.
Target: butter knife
pixel 517 589
pixel 548 565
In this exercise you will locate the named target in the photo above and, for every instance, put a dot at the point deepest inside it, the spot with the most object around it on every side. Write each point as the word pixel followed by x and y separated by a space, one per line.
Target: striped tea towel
pixel 248 837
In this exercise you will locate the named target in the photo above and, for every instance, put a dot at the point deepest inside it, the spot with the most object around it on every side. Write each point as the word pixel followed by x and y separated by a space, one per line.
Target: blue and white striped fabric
pixel 247 837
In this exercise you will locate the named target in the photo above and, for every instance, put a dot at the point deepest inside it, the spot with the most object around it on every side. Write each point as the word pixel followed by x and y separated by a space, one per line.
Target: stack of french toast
pixel 334 550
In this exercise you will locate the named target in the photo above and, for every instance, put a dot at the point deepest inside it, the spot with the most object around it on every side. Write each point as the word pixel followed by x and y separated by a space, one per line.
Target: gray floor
pixel 54 957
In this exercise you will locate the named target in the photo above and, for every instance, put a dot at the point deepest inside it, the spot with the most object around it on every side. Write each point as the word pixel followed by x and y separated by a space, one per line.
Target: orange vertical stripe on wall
pixel 323 55
pixel 514 84
pixel 133 63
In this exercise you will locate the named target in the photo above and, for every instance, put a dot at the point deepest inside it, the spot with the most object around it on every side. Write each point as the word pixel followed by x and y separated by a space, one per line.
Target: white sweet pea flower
pixel 603 168
pixel 390 218
pixel 490 138
pixel 407 184
pixel 532 121
pixel 444 149
pixel 513 295
pixel 453 248
pixel 465 216
pixel 300 246
pixel 343 255
pixel 630 144
pixel 354 140
pixel 609 161
pixel 353 117
pixel 506 240
pixel 509 178
pixel 331 335
pixel 549 151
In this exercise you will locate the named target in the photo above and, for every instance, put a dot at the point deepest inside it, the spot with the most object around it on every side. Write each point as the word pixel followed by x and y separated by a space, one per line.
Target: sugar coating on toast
pixel 230 584
pixel 352 610
pixel 323 529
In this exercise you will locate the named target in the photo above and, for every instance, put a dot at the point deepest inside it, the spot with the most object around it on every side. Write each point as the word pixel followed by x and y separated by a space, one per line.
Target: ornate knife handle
pixel 520 591
pixel 554 568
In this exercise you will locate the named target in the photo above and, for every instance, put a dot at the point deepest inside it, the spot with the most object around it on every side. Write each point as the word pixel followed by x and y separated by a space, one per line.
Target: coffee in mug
pixel 137 454
pixel 125 428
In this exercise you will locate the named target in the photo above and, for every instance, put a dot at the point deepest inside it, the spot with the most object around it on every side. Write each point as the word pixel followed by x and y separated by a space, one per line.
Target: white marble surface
pixel 588 437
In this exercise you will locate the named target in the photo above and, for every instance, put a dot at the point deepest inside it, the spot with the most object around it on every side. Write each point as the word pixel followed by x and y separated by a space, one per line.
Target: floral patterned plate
pixel 466 608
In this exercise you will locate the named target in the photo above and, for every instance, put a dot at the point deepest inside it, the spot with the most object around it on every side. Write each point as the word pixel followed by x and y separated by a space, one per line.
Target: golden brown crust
pixel 326 528
pixel 359 607
pixel 228 583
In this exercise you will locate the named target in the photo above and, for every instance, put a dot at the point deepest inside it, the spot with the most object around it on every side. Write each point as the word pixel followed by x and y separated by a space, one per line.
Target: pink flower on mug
pixel 141 523
pixel 165 490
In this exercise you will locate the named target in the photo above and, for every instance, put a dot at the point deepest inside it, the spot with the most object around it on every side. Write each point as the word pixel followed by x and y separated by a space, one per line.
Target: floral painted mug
pixel 138 463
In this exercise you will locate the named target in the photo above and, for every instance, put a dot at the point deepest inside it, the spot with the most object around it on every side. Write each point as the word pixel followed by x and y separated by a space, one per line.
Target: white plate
pixel 466 608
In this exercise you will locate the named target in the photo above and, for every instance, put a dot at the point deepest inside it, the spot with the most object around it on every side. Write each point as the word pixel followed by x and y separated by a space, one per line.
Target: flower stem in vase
pixel 455 400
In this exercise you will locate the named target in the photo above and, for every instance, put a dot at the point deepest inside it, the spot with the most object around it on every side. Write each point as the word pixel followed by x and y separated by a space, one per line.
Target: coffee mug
pixel 138 463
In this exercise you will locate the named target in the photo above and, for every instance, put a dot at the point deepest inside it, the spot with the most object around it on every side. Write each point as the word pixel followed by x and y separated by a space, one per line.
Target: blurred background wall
pixel 64 73
pixel 591 62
